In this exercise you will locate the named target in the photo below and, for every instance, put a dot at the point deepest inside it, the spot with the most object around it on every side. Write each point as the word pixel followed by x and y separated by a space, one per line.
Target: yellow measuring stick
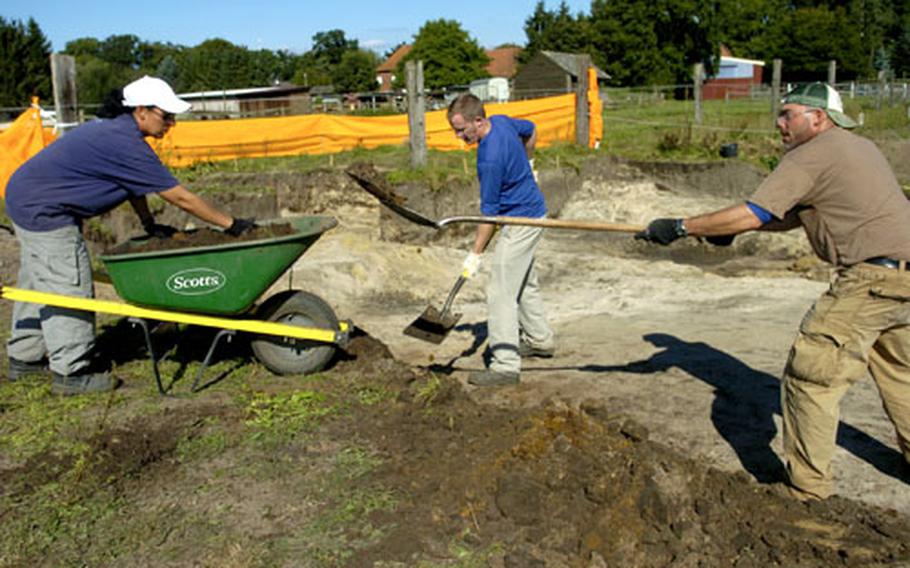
pixel 121 309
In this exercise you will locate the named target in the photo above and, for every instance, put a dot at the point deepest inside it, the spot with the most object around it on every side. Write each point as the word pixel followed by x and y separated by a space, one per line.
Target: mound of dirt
pixel 559 486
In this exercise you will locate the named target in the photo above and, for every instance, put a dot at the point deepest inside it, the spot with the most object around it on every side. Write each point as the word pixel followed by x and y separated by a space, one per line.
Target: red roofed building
pixel 386 71
pixel 503 63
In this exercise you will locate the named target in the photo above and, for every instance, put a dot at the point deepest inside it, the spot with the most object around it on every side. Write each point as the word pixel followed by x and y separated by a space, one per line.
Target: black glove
pixel 240 226
pixel 663 231
pixel 721 240
pixel 158 230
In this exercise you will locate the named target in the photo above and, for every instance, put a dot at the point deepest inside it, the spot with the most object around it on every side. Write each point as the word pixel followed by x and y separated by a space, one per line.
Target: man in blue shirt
pixel 85 173
pixel 516 319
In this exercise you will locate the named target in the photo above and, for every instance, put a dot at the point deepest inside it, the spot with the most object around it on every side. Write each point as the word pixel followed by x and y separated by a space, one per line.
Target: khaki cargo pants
pixel 862 322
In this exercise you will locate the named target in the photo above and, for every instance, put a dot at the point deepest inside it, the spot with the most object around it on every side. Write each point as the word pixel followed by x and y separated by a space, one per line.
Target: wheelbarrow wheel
pixel 286 356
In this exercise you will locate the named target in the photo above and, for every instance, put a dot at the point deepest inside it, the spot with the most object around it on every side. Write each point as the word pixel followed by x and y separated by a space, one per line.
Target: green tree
pixel 807 38
pixel 168 70
pixel 24 63
pixel 653 43
pixel 83 46
pixel 214 64
pixel 312 71
pixel 557 30
pixel 329 47
pixel 900 49
pixel 96 78
pixel 121 50
pixel 450 56
pixel 356 72
pixel 742 25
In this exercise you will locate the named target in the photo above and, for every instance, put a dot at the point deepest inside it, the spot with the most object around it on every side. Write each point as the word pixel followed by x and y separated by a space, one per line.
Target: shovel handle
pixel 546 223
pixel 451 297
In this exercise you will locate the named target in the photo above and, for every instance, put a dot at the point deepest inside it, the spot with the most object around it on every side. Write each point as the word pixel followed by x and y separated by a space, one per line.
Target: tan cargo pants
pixel 862 322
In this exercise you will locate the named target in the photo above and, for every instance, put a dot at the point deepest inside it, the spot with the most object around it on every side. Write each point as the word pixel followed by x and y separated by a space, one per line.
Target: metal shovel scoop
pixel 434 325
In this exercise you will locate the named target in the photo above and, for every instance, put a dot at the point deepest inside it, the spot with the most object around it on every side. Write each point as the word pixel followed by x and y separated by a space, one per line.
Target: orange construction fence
pixel 214 140
pixel 22 140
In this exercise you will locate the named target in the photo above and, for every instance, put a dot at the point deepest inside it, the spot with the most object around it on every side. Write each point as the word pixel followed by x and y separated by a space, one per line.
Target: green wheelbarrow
pixel 291 332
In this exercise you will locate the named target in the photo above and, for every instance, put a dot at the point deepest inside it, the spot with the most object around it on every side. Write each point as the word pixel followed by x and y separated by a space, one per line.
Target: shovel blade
pixel 432 326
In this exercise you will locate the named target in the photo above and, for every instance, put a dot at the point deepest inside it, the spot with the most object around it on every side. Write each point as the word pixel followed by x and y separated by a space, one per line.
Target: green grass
pixel 282 416
pixel 643 126
pixel 36 422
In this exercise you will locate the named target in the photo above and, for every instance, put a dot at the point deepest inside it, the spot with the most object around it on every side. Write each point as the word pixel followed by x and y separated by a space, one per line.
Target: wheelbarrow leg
pixel 148 343
pixel 229 333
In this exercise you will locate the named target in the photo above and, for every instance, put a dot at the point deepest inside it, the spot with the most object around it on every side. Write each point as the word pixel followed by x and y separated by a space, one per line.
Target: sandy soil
pixel 652 438
pixel 690 345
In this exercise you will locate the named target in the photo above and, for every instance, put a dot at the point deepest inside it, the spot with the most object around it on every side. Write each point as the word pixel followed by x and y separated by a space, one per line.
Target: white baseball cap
pixel 151 91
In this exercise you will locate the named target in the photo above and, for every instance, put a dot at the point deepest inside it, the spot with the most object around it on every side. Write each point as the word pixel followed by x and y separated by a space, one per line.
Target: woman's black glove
pixel 158 230
pixel 240 226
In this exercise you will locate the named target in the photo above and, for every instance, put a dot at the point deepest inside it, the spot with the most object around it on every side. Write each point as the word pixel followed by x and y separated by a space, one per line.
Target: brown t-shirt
pixel 846 197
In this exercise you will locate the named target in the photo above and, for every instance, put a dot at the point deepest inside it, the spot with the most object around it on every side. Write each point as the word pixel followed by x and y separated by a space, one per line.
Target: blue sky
pixel 276 24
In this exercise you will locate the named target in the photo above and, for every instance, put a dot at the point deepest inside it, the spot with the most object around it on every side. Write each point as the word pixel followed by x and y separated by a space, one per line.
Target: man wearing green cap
pixel 840 188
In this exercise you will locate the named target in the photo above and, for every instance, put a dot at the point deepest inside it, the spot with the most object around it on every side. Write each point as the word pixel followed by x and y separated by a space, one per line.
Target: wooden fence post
pixel 699 73
pixel 775 90
pixel 582 120
pixel 417 130
pixel 832 72
pixel 63 79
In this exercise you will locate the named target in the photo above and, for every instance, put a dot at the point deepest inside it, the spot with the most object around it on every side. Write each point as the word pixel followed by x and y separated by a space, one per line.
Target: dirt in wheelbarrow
pixel 201 238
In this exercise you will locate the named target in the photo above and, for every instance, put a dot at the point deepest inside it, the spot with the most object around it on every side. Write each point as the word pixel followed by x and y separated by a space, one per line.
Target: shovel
pixel 370 180
pixel 434 325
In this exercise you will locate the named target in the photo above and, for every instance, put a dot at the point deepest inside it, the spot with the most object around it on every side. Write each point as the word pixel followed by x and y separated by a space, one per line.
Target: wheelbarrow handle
pixel 542 222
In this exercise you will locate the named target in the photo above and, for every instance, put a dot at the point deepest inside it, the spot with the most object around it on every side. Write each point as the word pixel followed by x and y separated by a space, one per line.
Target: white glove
pixel 471 265
pixel 533 171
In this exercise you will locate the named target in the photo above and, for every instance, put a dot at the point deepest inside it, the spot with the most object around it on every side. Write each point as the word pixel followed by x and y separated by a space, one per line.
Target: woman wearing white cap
pixel 85 173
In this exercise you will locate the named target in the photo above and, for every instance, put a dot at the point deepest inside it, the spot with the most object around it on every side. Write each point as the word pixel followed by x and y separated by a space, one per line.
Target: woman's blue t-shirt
pixel 89 171
pixel 507 185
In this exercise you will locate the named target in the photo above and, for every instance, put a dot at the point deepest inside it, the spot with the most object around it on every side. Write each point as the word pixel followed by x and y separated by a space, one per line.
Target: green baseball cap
pixel 821 95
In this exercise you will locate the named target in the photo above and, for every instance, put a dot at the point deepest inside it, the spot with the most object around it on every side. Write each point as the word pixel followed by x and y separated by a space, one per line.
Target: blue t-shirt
pixel 507 185
pixel 90 170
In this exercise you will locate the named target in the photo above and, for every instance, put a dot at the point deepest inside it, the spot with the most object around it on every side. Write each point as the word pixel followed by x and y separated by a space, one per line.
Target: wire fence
pixel 620 104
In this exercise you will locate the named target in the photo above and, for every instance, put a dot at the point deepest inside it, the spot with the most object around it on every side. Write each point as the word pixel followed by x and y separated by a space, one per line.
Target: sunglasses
pixel 165 116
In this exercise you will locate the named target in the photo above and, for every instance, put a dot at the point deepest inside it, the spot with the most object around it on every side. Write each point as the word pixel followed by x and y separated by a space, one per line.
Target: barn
pixel 550 73
pixel 735 77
